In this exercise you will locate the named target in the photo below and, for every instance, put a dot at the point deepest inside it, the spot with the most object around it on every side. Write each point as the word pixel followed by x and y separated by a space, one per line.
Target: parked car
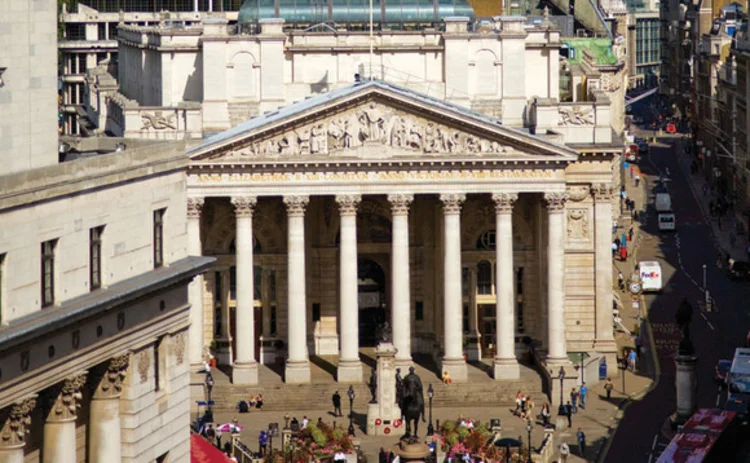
pixel 722 371
pixel 739 270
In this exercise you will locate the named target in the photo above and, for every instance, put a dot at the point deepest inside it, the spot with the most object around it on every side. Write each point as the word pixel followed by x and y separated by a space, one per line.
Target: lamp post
pixel 583 379
pixel 286 420
pixel 561 377
pixel 270 438
pixel 528 431
pixel 430 394
pixel 350 392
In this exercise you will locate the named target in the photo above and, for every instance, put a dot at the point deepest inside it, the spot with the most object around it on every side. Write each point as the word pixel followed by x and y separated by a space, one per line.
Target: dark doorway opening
pixel 371 301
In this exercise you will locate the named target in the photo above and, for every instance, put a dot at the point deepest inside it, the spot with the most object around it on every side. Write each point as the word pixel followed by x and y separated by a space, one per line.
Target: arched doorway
pixel 371 301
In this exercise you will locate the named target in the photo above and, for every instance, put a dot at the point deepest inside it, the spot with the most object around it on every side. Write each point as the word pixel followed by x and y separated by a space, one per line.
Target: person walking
pixel 630 234
pixel 336 399
pixel 616 248
pixel 574 399
pixel 519 396
pixel 564 452
pixel 637 180
pixel 608 386
pixel 263 442
pixel 583 393
pixel 581 443
pixel 620 280
pixel 632 356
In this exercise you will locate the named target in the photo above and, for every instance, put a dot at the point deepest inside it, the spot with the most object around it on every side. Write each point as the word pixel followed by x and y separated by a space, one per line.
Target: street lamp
pixel 528 430
pixel 286 420
pixel 561 377
pixel 350 392
pixel 430 394
pixel 270 438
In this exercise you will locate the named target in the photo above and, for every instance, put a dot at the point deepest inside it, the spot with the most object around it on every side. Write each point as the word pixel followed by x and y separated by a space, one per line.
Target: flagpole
pixel 372 39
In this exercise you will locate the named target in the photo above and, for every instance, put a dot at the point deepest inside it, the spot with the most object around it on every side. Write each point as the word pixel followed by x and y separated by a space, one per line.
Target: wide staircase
pixel 481 390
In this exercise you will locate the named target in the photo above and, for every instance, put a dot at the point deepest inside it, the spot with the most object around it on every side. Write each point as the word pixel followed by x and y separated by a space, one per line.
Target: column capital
pixel 555 201
pixel 244 205
pixel 110 385
pixel 603 191
pixel 17 425
pixel 348 204
pixel 296 205
pixel 452 202
pixel 504 202
pixel 400 203
pixel 194 207
pixel 64 406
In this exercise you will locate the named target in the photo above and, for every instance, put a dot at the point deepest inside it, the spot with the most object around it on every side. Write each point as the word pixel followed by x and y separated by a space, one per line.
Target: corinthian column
pixel 245 369
pixel 505 363
pixel 104 422
pixel 556 278
pixel 453 360
pixel 605 339
pixel 400 278
pixel 297 365
pixel 195 289
pixel 13 434
pixel 60 425
pixel 350 368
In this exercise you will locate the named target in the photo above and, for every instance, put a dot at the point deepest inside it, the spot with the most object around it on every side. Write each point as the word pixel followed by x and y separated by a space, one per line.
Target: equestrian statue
pixel 411 403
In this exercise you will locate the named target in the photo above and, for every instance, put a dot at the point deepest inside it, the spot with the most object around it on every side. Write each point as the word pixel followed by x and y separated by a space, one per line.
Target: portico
pixel 467 222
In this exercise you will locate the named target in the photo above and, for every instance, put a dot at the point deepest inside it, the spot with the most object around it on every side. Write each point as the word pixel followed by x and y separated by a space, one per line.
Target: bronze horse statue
pixel 412 403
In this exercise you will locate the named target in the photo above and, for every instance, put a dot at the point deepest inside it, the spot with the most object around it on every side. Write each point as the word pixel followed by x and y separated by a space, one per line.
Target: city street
pixel 643 434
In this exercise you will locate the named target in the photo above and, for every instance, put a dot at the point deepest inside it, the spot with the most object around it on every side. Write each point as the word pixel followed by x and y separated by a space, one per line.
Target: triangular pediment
pixel 374 121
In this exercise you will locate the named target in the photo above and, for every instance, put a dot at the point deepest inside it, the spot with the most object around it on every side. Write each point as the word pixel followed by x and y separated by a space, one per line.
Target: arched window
pixel 486 240
pixel 484 277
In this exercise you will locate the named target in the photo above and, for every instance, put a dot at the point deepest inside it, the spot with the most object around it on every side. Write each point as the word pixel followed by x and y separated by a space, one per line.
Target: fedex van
pixel 650 272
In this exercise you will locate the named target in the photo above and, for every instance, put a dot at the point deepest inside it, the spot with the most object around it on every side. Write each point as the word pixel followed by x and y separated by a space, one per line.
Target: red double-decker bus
pixel 708 436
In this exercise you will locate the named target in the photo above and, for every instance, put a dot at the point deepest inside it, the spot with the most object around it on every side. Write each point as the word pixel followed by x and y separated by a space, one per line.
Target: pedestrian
pixel 218 439
pixel 620 280
pixel 581 443
pixel 336 399
pixel 519 396
pixel 630 234
pixel 263 442
pixel 632 356
pixel 382 456
pixel 564 452
pixel 529 408
pixel 583 393
pixel 616 249
pixel 568 409
pixel 608 386
pixel 545 414
pixel 632 170
pixel 623 253
pixel 637 180
pixel 574 399
pixel 305 422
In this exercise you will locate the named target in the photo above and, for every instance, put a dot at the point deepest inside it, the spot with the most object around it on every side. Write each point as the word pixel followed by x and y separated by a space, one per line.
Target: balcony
pixel 105 45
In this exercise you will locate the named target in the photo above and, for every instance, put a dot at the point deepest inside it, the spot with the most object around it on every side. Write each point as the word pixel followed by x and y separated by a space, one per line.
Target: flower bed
pixel 467 440
pixel 317 442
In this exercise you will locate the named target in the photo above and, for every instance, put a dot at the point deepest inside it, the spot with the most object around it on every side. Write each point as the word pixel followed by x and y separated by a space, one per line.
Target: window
pixel 95 258
pixel 465 281
pixel 465 319
pixel 159 237
pixel 257 282
pixel 484 278
pixel 217 304
pixel 48 272
pixel 419 311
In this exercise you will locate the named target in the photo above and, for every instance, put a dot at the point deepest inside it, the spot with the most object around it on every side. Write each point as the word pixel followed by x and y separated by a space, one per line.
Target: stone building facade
pixel 374 203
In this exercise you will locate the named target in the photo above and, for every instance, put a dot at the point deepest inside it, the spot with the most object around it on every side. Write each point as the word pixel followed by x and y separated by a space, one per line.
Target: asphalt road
pixel 639 437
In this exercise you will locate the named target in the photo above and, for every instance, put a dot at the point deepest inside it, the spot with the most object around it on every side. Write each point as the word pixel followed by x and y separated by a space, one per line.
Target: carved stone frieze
pixel 400 203
pixel 158 121
pixel 296 205
pixel 194 207
pixel 452 202
pixel 603 191
pixel 578 225
pixel 14 430
pixel 577 193
pixel 179 347
pixel 575 115
pixel 67 402
pixel 244 205
pixel 504 202
pixel 110 385
pixel 372 123
pixel 348 204
pixel 555 201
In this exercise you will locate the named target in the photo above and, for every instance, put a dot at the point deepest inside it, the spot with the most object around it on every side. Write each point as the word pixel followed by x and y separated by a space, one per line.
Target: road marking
pixel 653 445
pixel 718 398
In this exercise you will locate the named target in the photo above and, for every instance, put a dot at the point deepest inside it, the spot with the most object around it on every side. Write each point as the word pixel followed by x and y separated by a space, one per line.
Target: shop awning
pixel 202 451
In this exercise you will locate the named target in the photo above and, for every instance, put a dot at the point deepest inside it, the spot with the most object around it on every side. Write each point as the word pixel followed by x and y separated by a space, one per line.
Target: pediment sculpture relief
pixel 372 124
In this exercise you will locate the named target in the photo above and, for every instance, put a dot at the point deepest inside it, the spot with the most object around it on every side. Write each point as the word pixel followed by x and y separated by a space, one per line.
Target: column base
pixel 297 372
pixel 245 373
pixel 349 371
pixel 473 348
pixel 506 369
pixel 457 370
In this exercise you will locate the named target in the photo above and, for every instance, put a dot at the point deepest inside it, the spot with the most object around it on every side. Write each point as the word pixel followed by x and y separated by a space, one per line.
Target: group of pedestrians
pixel 524 406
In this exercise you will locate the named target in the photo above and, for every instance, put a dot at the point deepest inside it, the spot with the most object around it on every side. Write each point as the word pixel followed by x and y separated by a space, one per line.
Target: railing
pixel 240 451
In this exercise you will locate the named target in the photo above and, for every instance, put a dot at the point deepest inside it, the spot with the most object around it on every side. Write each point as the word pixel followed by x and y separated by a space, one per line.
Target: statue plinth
pixel 384 416
pixel 416 453
pixel 686 386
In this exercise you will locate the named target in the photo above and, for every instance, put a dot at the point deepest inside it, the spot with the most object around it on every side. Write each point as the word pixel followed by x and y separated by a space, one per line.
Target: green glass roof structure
pixel 354 11
pixel 601 49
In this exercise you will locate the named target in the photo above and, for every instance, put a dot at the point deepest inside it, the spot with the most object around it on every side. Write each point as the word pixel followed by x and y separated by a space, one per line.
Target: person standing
pixel 545 414
pixel 581 443
pixel 574 399
pixel 584 391
pixel 305 422
pixel 382 456
pixel 263 442
pixel 632 356
pixel 620 280
pixel 336 399
pixel 608 386
pixel 519 396
pixel 569 414
pixel 637 179
pixel 615 248
pixel 564 452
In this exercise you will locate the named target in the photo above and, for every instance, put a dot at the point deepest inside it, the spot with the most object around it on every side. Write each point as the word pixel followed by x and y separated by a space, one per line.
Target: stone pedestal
pixel 382 416
pixel 415 453
pixel 685 386
pixel 245 373
pixel 473 348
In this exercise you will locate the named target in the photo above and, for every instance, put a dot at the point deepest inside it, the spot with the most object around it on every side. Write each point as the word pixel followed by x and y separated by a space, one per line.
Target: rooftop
pixel 600 48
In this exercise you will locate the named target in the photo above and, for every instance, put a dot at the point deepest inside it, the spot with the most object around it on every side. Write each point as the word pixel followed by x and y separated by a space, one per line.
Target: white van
pixel 666 222
pixel 650 276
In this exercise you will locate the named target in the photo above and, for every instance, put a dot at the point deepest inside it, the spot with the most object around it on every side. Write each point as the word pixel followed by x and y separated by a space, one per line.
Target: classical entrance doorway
pixel 371 300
